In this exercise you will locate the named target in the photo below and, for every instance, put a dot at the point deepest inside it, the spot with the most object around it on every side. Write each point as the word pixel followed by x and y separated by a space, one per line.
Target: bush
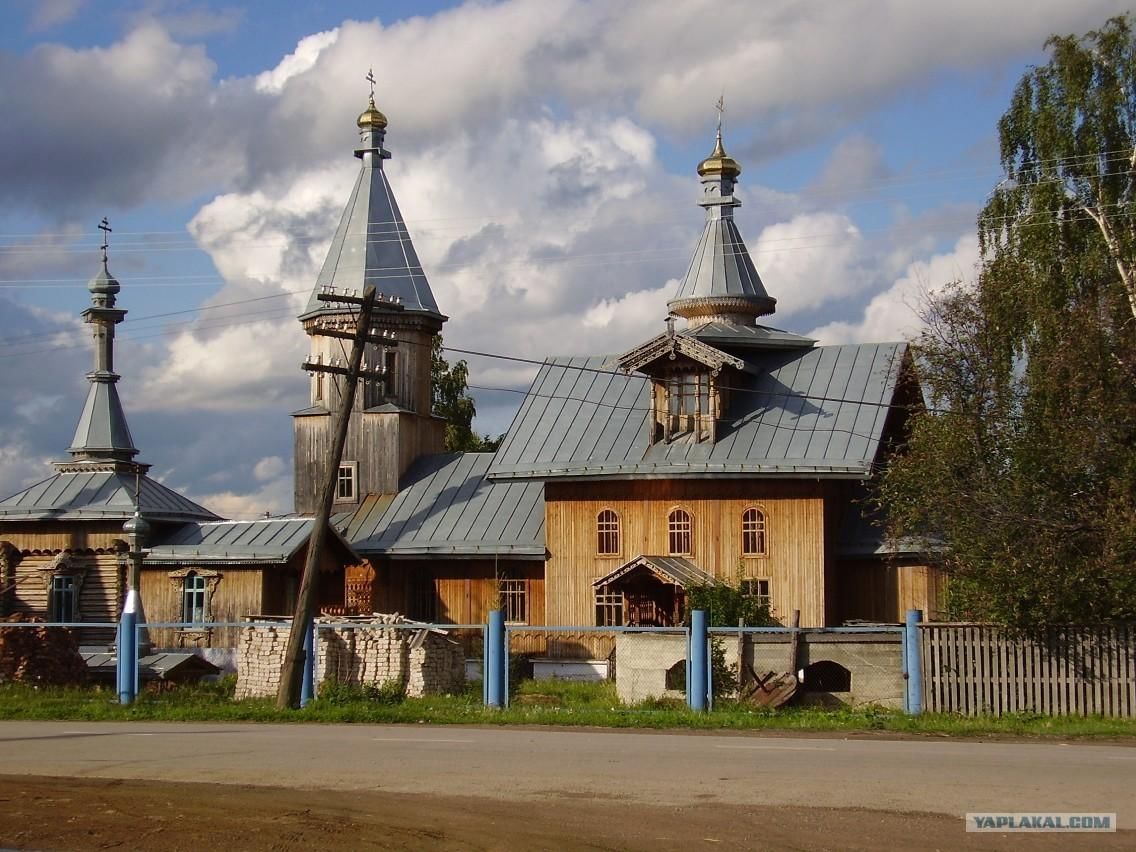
pixel 338 694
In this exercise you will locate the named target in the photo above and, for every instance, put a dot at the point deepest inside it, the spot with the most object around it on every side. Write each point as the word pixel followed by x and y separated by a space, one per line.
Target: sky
pixel 544 156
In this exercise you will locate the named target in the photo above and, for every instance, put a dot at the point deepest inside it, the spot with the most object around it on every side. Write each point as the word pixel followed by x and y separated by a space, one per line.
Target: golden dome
pixel 371 117
pixel 719 162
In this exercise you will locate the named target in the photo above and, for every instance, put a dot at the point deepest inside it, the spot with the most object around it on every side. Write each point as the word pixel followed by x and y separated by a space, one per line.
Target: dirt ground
pixel 39 813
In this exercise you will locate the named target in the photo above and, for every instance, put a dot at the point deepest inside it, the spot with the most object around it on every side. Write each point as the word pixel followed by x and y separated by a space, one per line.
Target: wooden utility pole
pixel 291 674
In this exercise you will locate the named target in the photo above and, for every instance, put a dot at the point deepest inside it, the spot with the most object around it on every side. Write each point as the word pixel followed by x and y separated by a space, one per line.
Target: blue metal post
pixel 697 685
pixel 128 650
pixel 495 659
pixel 914 655
pixel 307 684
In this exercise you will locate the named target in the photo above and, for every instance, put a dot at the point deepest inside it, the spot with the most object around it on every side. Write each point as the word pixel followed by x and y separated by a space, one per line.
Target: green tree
pixel 1021 472
pixel 450 386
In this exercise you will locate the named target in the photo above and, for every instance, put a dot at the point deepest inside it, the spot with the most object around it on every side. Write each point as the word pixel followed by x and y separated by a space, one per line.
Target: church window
pixel 63 598
pixel 678 530
pixel 607 533
pixel 514 600
pixel 758 590
pixel 609 608
pixel 345 490
pixel 753 532
pixel 193 599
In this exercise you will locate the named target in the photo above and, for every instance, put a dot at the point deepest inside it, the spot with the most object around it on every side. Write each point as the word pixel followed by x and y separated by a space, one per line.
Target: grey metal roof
pixel 372 246
pixel 161 665
pixel 447 506
pixel 99 494
pixel 815 412
pixel 721 265
pixel 265 540
pixel 676 569
pixel 729 334
pixel 102 429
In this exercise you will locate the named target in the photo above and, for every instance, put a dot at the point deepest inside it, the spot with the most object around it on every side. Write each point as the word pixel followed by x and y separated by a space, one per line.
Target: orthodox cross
pixel 370 78
pixel 105 227
pixel 720 105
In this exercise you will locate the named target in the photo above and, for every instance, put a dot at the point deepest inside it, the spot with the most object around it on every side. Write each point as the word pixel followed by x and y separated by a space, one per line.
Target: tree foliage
pixel 450 386
pixel 726 604
pixel 1022 470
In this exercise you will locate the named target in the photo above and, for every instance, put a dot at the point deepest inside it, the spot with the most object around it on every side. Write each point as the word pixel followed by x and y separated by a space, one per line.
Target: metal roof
pixel 721 265
pixel 447 506
pixel 100 494
pixel 675 569
pixel 815 412
pixel 729 334
pixel 102 429
pixel 372 246
pixel 265 540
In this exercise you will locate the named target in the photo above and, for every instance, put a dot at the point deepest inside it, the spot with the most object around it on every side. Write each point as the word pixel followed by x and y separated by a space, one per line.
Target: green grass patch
pixel 550 702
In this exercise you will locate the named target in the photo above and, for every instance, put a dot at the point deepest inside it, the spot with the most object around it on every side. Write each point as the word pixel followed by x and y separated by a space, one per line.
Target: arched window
pixel 678 530
pixel 193 599
pixel 753 532
pixel 607 533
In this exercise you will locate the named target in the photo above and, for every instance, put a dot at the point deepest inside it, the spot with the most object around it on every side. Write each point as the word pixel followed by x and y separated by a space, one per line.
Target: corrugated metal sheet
pixel 82 495
pixel 102 426
pixel 675 569
pixel 372 246
pixel 265 540
pixel 804 412
pixel 721 265
pixel 448 507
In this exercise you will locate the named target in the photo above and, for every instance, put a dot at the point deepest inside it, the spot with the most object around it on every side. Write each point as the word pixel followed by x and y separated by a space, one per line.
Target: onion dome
pixel 719 162
pixel 104 283
pixel 372 118
pixel 136 526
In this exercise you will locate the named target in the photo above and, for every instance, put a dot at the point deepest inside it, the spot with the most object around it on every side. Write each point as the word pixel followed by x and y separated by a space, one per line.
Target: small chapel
pixel 720 450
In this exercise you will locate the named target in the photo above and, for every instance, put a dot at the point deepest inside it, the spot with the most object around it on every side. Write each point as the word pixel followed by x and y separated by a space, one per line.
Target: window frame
pixel 59 594
pixel 195 588
pixel 352 468
pixel 609 533
pixel 610 608
pixel 675 528
pixel 760 531
pixel 513 593
pixel 759 589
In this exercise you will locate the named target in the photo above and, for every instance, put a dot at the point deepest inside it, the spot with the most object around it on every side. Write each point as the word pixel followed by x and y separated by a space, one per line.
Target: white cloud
pixel 302 59
pixel 894 313
pixel 268 468
pixel 274 496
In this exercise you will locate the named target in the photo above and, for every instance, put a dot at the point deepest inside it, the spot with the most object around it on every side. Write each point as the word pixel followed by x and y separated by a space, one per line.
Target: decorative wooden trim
pixel 212 580
pixel 65 564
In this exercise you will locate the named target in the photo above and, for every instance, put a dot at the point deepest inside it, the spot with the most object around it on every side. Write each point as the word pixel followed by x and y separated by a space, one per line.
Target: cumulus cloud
pixel 894 313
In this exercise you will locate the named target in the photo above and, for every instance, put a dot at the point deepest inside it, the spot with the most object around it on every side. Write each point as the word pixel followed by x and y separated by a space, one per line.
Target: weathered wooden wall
pixel 880 590
pixel 465 589
pixel 794 560
pixel 238 594
pixel 102 582
pixel 1061 671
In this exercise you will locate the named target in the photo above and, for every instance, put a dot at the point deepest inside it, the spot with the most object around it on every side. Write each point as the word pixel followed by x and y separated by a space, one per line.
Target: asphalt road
pixel 945 777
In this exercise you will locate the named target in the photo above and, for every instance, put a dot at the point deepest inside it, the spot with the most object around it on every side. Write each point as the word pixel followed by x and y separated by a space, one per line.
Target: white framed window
pixel 514 600
pixel 193 599
pixel 679 532
pixel 63 598
pixel 607 533
pixel 753 532
pixel 609 608
pixel 346 486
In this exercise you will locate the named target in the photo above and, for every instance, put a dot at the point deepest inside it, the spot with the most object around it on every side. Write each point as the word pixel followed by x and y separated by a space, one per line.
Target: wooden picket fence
pixel 1062 671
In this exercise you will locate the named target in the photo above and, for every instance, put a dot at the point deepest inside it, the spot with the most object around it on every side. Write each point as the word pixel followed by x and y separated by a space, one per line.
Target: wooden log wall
pixel 1063 671
pixel 794 518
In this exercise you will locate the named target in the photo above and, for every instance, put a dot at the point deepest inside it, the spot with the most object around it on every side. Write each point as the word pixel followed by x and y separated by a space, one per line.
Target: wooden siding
pixel 794 517
pixel 879 590
pixel 465 589
pixel 54 536
pixel 238 594
pixel 1062 671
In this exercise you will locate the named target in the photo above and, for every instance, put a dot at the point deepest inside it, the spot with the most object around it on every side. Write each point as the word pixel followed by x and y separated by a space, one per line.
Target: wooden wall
pixel 794 560
pixel 882 590
pixel 465 589
pixel 100 594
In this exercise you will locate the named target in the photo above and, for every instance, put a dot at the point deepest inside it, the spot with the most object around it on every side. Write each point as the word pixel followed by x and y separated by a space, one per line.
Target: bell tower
pixel 392 423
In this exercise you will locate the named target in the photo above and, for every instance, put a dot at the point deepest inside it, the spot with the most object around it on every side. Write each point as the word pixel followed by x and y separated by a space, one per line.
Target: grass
pixel 548 702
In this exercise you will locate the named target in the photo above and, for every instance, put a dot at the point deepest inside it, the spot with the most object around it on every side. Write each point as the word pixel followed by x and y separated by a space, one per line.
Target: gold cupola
pixel 371 118
pixel 719 162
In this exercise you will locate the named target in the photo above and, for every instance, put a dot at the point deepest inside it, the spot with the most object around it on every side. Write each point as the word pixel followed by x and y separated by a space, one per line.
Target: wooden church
pixel 724 450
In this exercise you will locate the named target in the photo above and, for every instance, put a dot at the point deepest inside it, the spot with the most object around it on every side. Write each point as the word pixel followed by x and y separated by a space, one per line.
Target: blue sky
pixel 544 155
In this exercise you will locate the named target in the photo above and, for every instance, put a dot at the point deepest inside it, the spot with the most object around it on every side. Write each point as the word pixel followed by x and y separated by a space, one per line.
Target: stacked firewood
pixel 39 655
